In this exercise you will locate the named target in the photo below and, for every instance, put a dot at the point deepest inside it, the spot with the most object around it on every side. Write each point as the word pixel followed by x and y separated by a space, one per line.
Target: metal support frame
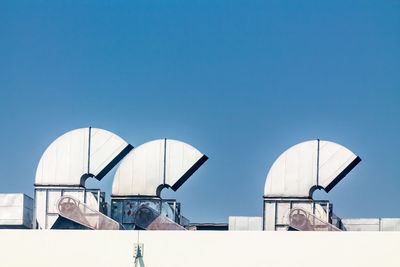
pixel 100 196
pixel 116 212
pixel 291 201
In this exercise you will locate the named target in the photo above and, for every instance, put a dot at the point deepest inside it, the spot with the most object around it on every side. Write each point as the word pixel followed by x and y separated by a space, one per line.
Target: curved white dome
pixel 150 167
pixel 79 154
pixel 307 166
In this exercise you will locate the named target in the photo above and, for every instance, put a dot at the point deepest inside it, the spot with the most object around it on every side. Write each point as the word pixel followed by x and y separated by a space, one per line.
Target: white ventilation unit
pixel 297 173
pixel 145 171
pixel 157 164
pixel 67 163
pixel 307 166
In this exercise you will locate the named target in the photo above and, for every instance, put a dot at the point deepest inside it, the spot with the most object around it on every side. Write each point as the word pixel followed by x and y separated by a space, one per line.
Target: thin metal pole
pixel 90 134
pixel 318 164
pixel 165 157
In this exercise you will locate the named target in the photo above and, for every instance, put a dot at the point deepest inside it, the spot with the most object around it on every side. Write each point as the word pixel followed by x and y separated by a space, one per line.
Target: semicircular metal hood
pixel 307 166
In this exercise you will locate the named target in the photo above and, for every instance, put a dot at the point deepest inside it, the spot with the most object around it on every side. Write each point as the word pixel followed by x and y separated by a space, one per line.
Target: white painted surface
pixel 16 210
pixel 104 147
pixel 199 248
pixel 296 170
pixel 46 210
pixel 371 224
pixel 276 215
pixel 333 159
pixel 245 223
pixel 67 158
pixel 144 169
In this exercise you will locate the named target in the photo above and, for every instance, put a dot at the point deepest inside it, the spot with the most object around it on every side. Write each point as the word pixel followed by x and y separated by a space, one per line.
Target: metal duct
pixel 150 167
pixel 307 166
pixel 79 154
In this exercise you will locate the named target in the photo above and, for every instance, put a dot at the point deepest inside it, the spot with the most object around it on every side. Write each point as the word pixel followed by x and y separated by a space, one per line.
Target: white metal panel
pixel 11 216
pixel 28 211
pixel 180 157
pixel 154 165
pixel 361 227
pixel 244 223
pixel 40 208
pixel 255 223
pixel 66 160
pixel 11 209
pixel 307 166
pixel 141 171
pixel 269 216
pixel 282 213
pixel 52 198
pixel 333 160
pixel 15 210
pixel 8 200
pixel 294 172
pixel 361 224
pixel 390 224
pixel 104 147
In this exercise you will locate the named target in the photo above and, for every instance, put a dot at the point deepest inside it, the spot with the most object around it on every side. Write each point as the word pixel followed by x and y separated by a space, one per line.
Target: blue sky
pixel 242 81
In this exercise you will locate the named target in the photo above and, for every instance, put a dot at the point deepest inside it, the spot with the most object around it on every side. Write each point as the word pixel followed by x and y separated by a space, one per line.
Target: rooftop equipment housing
pixel 67 163
pixel 16 211
pixel 245 223
pixel 145 171
pixel 297 173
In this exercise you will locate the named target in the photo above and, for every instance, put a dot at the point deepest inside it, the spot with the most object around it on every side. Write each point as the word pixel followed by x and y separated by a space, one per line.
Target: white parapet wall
pixel 198 248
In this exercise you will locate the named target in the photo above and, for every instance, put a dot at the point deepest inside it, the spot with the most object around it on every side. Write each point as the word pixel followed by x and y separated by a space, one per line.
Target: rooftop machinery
pixel 147 170
pixel 296 174
pixel 61 200
pixel 91 152
pixel 65 166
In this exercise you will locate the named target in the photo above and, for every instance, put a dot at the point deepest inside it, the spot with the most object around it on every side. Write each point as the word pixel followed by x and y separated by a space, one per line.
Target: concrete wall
pixel 198 248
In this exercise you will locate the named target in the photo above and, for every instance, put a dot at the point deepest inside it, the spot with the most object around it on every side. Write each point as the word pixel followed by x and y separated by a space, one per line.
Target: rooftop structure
pixel 155 165
pixel 308 166
pixel 62 201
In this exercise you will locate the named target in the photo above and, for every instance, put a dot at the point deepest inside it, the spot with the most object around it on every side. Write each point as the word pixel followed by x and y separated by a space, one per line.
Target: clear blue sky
pixel 240 80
